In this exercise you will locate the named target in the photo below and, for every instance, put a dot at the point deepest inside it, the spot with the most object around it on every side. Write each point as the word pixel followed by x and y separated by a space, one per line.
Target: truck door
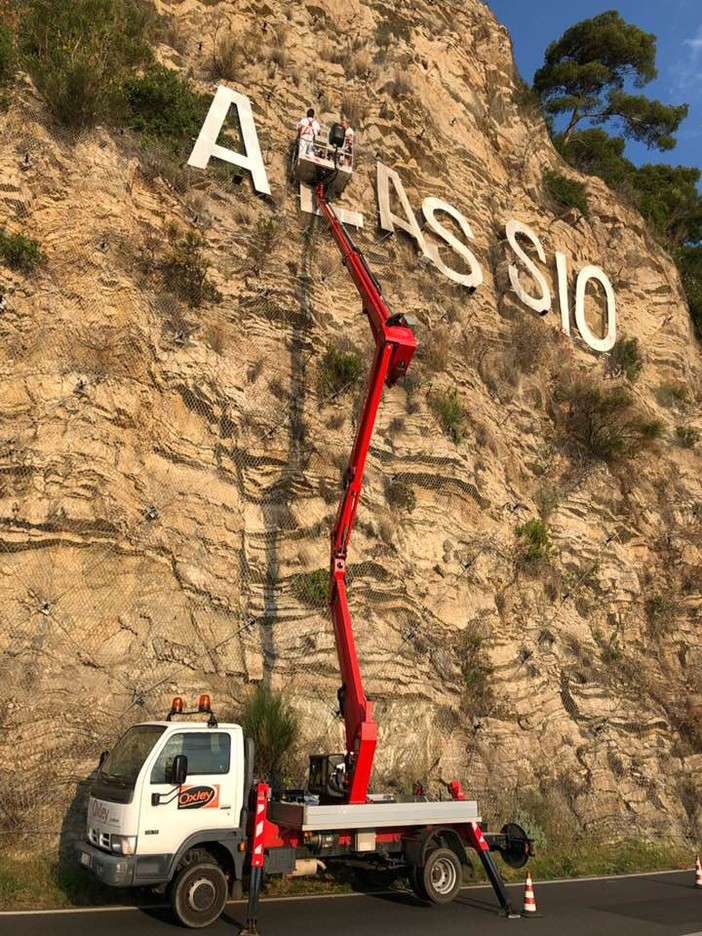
pixel 207 800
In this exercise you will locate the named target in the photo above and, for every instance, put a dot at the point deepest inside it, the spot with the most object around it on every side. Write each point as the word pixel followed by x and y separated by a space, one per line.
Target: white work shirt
pixel 308 128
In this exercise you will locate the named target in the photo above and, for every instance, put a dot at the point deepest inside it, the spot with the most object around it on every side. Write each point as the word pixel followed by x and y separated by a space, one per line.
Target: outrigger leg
pixel 251 927
pixel 477 841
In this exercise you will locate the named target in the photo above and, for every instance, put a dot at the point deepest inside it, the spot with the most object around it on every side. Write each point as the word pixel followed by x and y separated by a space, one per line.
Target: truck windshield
pixel 116 778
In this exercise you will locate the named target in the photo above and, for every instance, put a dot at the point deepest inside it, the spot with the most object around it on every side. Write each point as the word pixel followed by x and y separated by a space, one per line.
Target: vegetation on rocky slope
pixel 20 252
pixel 584 75
pixel 93 62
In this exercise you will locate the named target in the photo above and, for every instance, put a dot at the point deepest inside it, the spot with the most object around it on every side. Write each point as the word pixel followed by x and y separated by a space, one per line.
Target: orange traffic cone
pixel 529 899
pixel 698 872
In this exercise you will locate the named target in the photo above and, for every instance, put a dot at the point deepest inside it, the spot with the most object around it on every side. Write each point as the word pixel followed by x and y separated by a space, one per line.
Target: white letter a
pixel 206 143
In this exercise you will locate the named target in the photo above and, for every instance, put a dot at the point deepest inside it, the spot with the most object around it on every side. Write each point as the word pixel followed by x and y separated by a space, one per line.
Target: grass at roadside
pixel 39 883
pixel 595 859
pixel 42 884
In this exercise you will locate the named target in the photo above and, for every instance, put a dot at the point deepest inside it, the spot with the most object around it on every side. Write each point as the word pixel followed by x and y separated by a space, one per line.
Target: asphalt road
pixel 650 905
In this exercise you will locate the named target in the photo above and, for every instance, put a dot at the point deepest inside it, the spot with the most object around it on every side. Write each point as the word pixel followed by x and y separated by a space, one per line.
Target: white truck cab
pixel 165 789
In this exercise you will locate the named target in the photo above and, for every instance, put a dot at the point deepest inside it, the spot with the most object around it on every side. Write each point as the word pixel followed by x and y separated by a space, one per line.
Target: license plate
pixel 85 859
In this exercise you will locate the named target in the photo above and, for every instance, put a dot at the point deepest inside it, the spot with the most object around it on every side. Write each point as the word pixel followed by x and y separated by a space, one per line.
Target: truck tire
pixel 198 894
pixel 441 876
pixel 414 876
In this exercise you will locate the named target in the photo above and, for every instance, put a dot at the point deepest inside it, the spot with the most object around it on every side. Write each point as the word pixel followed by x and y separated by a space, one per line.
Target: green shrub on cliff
pixel 662 610
pixel 566 192
pixel 311 588
pixel 626 358
pixel 392 29
pixel 268 718
pixel 8 61
pixel 20 252
pixel 184 270
pixel 476 669
pixel 534 541
pixel 687 436
pixel 604 421
pixel 164 105
pixel 80 53
pixel 340 371
pixel 400 494
pixel 450 413
pixel 689 260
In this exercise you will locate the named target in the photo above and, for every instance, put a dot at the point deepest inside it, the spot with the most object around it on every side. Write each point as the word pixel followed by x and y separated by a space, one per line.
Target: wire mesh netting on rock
pixel 174 433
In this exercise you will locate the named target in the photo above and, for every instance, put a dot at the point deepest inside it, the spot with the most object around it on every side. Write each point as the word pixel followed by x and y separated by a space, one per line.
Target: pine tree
pixel 585 72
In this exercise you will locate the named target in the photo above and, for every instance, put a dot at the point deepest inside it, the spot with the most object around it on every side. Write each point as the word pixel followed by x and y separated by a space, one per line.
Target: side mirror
pixel 179 770
pixel 103 758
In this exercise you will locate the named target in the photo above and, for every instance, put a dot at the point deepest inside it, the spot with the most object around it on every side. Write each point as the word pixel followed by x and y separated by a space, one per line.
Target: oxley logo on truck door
pixel 198 797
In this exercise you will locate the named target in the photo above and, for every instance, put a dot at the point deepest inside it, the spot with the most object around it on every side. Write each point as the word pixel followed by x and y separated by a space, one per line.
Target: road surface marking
pixel 470 887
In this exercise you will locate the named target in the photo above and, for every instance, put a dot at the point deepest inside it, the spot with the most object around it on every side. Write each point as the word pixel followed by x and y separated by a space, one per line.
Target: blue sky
pixel 533 24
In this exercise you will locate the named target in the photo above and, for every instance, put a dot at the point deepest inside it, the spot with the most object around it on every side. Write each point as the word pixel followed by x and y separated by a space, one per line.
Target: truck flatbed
pixel 311 818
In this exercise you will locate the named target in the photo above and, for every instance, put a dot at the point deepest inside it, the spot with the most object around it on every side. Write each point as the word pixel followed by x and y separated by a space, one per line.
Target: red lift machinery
pixel 342 780
pixel 395 345
pixel 198 857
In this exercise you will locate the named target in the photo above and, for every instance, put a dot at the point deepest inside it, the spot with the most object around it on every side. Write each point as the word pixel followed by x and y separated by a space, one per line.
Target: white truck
pixel 173 807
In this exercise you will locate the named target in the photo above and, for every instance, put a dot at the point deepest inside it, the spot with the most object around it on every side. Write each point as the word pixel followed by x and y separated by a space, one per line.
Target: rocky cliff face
pixel 170 462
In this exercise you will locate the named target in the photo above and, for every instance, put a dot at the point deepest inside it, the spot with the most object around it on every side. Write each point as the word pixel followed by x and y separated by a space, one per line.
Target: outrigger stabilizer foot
pixel 251 927
pixel 495 878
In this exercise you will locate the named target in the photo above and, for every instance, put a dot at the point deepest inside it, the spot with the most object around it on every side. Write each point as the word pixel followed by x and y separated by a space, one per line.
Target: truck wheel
pixel 441 875
pixel 198 894
pixel 414 876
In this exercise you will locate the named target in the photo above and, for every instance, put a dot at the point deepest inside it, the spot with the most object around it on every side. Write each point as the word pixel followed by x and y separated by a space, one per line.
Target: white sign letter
pixel 540 304
pixel 597 344
pixel 388 220
pixel 308 203
pixel 473 279
pixel 562 276
pixel 206 143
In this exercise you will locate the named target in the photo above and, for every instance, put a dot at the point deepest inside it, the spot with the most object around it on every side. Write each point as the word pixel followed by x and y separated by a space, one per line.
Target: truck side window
pixel 207 753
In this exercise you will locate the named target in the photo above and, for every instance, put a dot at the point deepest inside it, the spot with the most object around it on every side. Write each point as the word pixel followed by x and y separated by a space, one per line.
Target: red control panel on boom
pixel 395 345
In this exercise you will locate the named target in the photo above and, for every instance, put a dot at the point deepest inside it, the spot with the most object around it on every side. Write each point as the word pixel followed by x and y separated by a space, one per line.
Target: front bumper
pixel 115 870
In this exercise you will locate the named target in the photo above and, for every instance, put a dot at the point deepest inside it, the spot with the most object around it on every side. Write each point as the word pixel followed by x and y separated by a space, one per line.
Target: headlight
pixel 123 844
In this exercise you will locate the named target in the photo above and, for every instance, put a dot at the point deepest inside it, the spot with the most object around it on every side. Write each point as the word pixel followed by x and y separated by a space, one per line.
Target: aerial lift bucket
pixel 329 161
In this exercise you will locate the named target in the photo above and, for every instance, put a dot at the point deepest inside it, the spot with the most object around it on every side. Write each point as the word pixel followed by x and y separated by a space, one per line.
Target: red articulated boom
pixel 395 345
pixel 201 855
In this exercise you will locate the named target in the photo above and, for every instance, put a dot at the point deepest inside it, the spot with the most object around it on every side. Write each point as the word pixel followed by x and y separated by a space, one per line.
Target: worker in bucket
pixel 307 130
pixel 348 141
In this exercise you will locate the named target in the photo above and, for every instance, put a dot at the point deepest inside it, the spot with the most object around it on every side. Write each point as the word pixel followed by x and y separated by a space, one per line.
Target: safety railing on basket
pixel 322 149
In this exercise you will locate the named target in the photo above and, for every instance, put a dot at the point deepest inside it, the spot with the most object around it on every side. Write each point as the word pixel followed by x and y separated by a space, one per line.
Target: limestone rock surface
pixel 168 472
